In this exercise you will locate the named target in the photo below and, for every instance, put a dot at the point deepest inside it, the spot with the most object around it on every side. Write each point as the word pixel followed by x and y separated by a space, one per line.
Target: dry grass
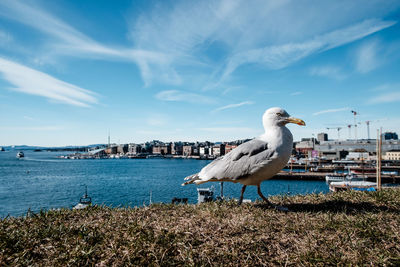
pixel 349 228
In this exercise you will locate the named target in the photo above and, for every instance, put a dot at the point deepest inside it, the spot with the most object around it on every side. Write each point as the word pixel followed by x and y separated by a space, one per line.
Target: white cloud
pixel 383 87
pixel 169 38
pixel 66 40
pixel 180 96
pixel 230 106
pixel 385 98
pixel 330 111
pixel 281 56
pixel 367 58
pixel 327 71
pixel 274 34
pixel 30 81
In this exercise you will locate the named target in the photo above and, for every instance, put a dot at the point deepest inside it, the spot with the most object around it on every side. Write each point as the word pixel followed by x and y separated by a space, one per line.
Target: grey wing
pixel 244 160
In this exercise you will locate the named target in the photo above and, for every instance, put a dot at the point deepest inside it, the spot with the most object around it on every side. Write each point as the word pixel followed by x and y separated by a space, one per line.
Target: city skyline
pixel 72 71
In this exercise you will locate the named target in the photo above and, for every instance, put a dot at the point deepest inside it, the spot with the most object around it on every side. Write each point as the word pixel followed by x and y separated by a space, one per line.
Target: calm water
pixel 42 181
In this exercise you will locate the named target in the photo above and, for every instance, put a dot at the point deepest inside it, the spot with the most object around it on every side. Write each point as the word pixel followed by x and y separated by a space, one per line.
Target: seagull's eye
pixel 279 114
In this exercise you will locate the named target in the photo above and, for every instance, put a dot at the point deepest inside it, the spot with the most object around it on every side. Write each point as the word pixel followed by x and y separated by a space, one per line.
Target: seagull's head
pixel 279 117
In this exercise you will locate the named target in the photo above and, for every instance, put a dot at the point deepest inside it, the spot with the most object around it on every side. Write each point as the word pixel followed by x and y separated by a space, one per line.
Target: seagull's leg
pixel 280 208
pixel 262 196
pixel 241 195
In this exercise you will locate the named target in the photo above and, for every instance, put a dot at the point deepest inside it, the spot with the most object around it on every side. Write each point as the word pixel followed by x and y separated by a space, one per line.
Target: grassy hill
pixel 346 228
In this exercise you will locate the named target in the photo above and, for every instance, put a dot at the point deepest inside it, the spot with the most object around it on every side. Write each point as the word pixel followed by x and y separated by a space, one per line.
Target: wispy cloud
pixel 187 29
pixel 330 111
pixel 169 38
pixel 66 40
pixel 281 56
pixel 30 81
pixel 230 106
pixel 5 37
pixel 29 118
pixel 180 96
pixel 328 72
pixel 385 98
pixel 367 58
pixel 296 93
pixel 385 93
pixel 384 87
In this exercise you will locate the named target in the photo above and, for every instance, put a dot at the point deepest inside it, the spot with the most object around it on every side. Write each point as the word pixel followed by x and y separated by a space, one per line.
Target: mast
pixel 378 158
pixel 108 138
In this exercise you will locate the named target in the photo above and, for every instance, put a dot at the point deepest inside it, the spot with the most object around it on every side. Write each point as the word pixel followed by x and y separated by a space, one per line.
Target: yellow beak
pixel 296 121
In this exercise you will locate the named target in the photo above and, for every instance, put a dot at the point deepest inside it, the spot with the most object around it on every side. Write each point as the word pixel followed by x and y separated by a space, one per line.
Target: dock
pixel 320 176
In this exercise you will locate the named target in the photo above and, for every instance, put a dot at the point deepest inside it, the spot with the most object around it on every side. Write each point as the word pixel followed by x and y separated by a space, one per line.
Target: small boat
pixel 20 154
pixel 390 172
pixel 205 195
pixel 334 178
pixel 84 202
pixel 352 185
pixel 1 148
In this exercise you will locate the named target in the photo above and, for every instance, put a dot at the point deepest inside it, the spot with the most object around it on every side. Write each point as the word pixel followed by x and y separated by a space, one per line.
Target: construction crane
pixel 349 126
pixel 336 128
pixel 355 123
pixel 367 122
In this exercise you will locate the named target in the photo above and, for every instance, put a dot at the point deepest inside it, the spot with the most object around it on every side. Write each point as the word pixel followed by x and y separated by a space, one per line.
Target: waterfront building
pixel 100 152
pixel 229 148
pixel 187 150
pixel 358 156
pixel 134 149
pixel 195 150
pixel 161 150
pixel 176 148
pixel 304 146
pixel 390 136
pixel 218 150
pixel 113 149
pixel 392 155
pixel 204 151
pixel 122 149
pixel 321 137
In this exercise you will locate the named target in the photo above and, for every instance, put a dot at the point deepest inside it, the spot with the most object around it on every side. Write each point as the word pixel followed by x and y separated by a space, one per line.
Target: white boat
pixel 205 195
pixel 84 202
pixel 342 177
pixel 20 154
pixel 334 178
pixel 353 185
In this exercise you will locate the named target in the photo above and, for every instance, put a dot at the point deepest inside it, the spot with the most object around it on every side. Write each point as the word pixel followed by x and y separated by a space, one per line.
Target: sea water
pixel 41 180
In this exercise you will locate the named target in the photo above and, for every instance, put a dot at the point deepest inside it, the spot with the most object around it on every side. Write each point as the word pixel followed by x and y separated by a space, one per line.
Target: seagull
pixel 256 160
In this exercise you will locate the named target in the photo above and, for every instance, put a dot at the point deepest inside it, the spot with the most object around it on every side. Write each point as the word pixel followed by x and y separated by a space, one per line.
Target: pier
pixel 320 176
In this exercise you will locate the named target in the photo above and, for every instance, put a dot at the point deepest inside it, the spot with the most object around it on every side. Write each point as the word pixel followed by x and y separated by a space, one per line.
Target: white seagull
pixel 256 160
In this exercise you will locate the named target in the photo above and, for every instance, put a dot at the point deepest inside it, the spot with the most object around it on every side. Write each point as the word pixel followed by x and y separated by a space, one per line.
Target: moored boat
pixel 352 185
pixel 84 202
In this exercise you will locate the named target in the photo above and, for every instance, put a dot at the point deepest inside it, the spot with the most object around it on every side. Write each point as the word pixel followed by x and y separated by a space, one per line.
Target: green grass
pixel 348 228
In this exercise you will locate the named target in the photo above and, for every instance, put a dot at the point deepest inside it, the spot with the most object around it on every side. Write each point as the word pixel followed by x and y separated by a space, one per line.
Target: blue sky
pixel 71 71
